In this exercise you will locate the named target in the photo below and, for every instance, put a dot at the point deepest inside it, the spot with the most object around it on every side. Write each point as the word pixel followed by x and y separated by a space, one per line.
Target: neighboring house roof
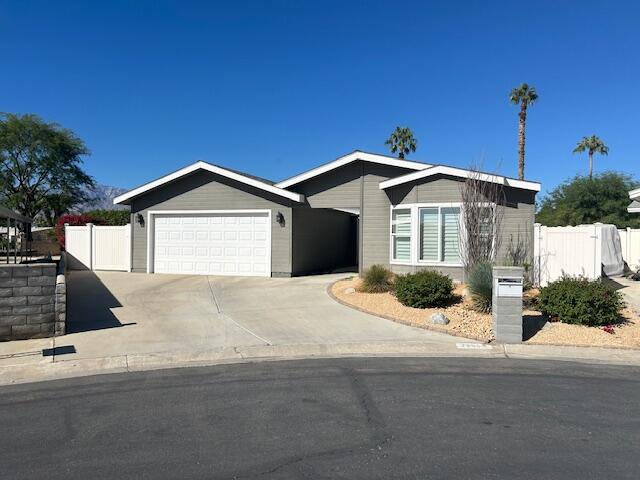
pixel 634 207
pixel 352 157
pixel 461 173
pixel 634 194
pixel 256 182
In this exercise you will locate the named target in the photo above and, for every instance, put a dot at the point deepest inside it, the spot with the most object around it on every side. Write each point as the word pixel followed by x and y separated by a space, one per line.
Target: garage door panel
pixel 212 244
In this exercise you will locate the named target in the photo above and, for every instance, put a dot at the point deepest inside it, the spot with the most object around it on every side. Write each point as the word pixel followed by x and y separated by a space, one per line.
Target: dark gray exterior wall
pixel 207 191
pixel 323 240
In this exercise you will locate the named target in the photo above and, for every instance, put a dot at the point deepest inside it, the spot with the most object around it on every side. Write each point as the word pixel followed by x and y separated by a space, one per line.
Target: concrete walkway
pixel 121 322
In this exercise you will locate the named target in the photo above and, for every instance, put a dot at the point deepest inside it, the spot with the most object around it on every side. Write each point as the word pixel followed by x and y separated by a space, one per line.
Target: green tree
pixel 39 161
pixel 592 145
pixel 523 95
pixel 583 200
pixel 402 142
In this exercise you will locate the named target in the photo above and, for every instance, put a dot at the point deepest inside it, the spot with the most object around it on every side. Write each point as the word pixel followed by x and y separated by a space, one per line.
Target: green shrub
pixel 109 217
pixel 376 279
pixel 480 283
pixel 424 289
pixel 581 301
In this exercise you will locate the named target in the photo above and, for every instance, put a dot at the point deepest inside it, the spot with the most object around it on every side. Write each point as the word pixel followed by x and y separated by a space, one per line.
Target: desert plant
pixel 376 279
pixel 581 301
pixel 482 214
pixel 424 289
pixel 480 283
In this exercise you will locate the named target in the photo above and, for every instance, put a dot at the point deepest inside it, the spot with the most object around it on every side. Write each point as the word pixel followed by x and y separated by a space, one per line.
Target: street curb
pixel 60 369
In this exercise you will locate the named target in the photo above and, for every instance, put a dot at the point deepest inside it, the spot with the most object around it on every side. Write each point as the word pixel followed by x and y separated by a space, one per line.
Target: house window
pixel 426 233
pixel 401 234
pixel 440 234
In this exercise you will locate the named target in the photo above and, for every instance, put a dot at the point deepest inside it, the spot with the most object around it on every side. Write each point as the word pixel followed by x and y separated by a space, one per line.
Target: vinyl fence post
pixel 90 244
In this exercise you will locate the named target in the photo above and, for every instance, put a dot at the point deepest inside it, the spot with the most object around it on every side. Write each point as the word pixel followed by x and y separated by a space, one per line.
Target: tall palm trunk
pixel 590 165
pixel 521 139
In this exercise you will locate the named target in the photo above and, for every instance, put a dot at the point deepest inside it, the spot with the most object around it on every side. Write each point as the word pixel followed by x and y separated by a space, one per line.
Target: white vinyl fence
pixel 630 240
pixel 98 248
pixel 581 250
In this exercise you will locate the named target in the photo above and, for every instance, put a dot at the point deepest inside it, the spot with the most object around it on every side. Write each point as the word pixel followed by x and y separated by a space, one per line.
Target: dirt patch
pixel 466 322
pixel 463 322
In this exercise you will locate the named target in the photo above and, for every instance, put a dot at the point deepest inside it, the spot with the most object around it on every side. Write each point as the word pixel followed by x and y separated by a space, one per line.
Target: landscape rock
pixel 349 290
pixel 439 319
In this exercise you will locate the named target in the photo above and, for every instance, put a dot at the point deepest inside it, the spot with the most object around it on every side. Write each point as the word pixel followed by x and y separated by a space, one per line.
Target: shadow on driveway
pixel 89 304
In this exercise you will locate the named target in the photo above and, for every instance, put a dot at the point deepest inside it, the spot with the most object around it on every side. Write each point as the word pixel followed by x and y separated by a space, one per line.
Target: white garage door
pixel 213 244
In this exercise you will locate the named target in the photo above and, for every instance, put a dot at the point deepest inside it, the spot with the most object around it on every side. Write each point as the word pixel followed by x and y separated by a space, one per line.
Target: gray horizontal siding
pixel 338 188
pixel 207 191
pixel 517 211
pixel 375 216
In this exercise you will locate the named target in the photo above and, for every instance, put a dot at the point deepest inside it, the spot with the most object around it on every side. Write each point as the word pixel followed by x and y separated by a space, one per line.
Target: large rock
pixel 439 319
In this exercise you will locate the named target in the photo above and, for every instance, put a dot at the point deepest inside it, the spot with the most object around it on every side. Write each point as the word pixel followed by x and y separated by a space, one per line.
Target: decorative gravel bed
pixel 463 321
pixel 466 322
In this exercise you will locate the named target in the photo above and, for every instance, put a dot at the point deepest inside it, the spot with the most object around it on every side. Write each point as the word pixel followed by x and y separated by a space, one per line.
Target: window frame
pixel 393 235
pixel 415 241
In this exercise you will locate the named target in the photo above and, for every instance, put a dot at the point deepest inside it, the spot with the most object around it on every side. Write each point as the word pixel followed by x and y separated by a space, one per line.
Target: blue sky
pixel 277 87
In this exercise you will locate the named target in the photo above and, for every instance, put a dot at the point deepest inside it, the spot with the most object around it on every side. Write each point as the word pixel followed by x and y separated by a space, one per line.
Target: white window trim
pixel 151 229
pixel 411 237
pixel 415 237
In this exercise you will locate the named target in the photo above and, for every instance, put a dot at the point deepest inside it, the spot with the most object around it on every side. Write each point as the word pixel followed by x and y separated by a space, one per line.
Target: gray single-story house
pixel 356 211
pixel 634 195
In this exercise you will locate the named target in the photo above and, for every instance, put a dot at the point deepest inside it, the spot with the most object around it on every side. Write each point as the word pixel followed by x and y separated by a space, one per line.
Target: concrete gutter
pixel 53 368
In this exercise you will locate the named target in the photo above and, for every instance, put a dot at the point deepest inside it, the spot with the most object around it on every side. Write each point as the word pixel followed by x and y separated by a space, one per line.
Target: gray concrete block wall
pixel 27 301
pixel 507 311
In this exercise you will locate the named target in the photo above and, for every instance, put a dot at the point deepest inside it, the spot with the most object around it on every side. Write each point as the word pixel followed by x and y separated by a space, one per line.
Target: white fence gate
pixel 98 248
pixel 566 251
pixel 579 251
pixel 630 240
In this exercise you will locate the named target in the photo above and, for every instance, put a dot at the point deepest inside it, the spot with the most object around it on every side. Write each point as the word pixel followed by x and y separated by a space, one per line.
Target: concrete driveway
pixel 113 313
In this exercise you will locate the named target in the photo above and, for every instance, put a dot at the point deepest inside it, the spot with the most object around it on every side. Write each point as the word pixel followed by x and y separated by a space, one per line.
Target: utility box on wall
pixel 507 304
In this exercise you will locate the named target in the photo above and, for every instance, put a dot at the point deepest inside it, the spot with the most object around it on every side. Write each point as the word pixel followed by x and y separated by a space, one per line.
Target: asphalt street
pixel 367 418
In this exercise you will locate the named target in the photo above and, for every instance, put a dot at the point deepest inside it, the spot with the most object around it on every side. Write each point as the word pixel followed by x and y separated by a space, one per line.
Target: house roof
pixel 634 207
pixel 251 180
pixel 461 173
pixel 346 159
pixel 634 194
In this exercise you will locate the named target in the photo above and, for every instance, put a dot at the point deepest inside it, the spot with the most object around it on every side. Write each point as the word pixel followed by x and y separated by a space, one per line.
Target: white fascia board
pixel 635 194
pixel 352 157
pixel 459 172
pixel 213 169
pixel 633 209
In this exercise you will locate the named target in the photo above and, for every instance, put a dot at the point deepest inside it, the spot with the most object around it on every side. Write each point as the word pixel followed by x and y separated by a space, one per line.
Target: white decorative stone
pixel 439 319
pixel 350 290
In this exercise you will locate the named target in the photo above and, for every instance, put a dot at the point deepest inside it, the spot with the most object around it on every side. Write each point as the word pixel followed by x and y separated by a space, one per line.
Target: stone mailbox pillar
pixel 507 304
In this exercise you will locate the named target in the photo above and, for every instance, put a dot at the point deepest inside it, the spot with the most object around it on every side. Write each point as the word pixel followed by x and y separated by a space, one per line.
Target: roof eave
pixel 461 173
pixel 125 198
pixel 345 160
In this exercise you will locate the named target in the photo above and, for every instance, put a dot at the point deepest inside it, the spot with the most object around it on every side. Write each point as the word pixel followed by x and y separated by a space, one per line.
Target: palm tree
pixel 593 145
pixel 402 142
pixel 523 95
